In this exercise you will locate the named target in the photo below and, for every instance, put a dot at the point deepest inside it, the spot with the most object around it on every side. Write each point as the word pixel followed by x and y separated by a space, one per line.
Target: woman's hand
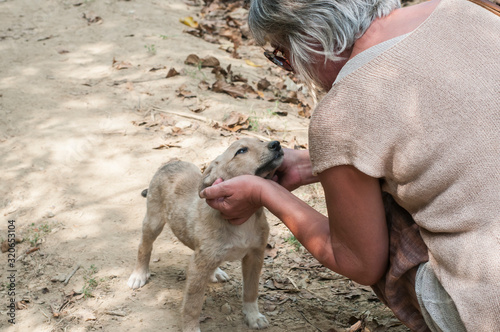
pixel 237 199
pixel 296 169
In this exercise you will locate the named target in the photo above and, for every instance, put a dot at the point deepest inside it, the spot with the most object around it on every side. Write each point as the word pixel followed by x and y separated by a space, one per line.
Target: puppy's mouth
pixel 268 169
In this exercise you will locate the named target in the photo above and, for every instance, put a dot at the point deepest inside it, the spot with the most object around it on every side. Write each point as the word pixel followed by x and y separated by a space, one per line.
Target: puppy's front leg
pixel 251 266
pixel 151 227
pixel 198 274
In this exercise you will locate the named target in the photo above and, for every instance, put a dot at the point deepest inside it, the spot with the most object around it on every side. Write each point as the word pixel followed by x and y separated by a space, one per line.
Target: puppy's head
pixel 245 156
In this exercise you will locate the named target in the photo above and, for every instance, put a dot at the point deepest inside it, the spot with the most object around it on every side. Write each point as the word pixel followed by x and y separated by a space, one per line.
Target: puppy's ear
pixel 209 176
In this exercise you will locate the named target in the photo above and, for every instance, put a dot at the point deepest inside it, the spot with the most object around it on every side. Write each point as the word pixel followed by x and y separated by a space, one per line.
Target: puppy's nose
pixel 274 146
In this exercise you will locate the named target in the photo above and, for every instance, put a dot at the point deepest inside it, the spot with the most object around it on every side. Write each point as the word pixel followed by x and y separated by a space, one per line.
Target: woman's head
pixel 314 29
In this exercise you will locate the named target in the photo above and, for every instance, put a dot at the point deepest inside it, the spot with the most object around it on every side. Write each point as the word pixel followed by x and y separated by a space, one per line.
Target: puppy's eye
pixel 242 150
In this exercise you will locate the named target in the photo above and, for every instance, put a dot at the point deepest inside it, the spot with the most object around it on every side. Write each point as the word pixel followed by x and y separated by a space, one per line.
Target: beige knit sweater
pixel 425 116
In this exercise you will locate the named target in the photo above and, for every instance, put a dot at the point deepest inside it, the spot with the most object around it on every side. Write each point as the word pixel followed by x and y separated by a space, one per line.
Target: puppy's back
pixel 176 177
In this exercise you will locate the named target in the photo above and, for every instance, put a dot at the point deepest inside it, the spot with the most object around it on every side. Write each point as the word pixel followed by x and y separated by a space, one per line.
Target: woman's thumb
pixel 210 192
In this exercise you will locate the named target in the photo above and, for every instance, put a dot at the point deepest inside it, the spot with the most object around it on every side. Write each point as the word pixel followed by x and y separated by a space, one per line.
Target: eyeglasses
pixel 279 61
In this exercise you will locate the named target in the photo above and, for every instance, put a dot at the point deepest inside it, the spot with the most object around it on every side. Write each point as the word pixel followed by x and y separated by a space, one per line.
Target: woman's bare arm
pixel 353 241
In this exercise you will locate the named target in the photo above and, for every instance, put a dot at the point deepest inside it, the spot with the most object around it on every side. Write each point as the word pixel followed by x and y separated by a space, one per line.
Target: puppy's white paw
pixel 253 317
pixel 138 279
pixel 256 321
pixel 196 329
pixel 191 326
pixel 219 276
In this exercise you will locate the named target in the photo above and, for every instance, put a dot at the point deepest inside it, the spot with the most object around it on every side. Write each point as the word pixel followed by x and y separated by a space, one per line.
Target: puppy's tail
pixel 144 193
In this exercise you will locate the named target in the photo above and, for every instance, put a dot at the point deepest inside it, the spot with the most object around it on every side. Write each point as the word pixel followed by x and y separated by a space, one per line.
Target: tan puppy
pixel 173 198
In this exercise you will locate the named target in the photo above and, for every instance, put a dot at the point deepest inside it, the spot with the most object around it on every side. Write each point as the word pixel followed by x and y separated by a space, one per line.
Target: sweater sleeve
pixel 363 138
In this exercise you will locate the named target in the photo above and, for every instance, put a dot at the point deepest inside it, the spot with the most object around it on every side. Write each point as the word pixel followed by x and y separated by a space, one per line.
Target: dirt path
pixel 84 102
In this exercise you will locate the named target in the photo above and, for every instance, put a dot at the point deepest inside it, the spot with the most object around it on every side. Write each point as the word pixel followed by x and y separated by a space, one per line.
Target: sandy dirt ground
pixel 87 115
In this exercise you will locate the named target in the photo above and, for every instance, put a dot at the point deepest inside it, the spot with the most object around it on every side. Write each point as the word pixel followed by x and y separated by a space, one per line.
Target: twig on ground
pixel 187 115
pixel 293 283
pixel 32 250
pixel 44 314
pixel 136 81
pixel 309 322
pixel 249 133
pixel 71 274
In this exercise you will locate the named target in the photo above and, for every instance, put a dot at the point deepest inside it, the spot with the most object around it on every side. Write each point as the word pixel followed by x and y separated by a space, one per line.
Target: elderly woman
pixel 412 110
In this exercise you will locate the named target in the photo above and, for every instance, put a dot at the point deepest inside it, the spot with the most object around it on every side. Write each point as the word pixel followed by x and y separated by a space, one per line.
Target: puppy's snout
pixel 274 146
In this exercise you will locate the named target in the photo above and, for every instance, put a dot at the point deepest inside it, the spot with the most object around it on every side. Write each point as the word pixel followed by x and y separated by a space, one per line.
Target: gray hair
pixel 308 27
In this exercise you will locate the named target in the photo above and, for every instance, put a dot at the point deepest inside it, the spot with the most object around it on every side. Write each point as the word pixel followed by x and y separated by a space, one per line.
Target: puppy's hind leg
pixel 151 227
pixel 251 266
pixel 199 272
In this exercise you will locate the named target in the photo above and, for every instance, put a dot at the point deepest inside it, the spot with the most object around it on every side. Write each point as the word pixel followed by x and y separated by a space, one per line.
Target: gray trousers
pixel 438 309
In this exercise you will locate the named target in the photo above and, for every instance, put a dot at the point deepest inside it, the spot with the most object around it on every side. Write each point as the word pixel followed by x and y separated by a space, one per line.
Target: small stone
pixel 183 124
pixel 226 309
pixel 59 277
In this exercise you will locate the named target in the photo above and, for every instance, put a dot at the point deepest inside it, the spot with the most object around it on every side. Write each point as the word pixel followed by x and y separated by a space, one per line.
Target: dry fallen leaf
pixel 294 144
pixel 248 88
pixel 92 18
pixel 166 146
pixel 208 26
pixel 158 67
pixel 236 122
pixel 194 32
pixel 230 89
pixel 192 59
pixel 182 92
pixel 358 326
pixel 210 62
pixel 238 78
pixel 263 84
pixel 291 97
pixel 198 110
pixel 271 251
pixel 204 86
pixel 305 112
pixel 172 72
pixel 189 21
pixel 121 64
pixel 251 63
pixel 136 123
pixel 5 244
pixel 230 33
pixel 236 118
pixel 220 73
pixel 20 305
